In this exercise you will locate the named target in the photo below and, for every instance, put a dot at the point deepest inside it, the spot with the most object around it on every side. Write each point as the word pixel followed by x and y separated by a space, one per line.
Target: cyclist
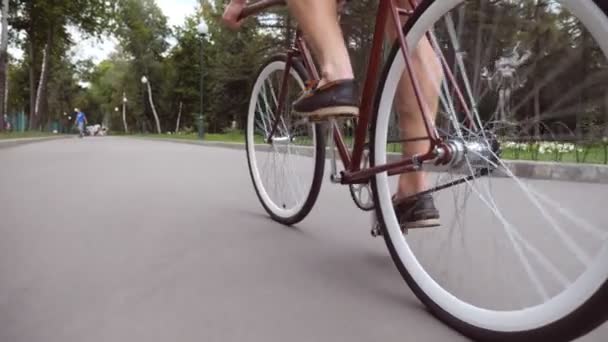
pixel 337 94
pixel 81 121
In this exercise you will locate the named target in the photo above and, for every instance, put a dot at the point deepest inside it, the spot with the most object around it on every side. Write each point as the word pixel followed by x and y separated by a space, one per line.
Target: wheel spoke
pixel 522 242
pixel 509 229
pixel 581 255
pixel 283 174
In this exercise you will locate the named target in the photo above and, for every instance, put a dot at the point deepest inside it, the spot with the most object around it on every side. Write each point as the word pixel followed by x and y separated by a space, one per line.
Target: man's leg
pixel 337 93
pixel 318 19
pixel 428 73
pixel 319 22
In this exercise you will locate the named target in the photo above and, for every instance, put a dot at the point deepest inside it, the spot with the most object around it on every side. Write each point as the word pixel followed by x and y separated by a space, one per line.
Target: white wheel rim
pixel 273 67
pixel 505 321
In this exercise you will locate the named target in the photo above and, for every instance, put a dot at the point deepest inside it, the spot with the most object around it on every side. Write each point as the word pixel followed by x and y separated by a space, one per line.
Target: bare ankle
pixel 332 73
pixel 411 184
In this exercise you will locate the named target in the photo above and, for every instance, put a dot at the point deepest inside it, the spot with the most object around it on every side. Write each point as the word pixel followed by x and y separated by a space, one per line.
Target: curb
pixel 24 141
pixel 584 173
pixel 232 146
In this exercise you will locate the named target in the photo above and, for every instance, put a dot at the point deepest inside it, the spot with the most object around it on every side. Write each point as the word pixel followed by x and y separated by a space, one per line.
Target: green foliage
pixel 230 64
pixel 44 27
pixel 142 29
pixel 170 58
pixel 22 135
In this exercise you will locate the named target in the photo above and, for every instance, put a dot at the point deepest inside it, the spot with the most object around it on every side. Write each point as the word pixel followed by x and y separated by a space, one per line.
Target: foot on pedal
pixel 337 99
pixel 419 212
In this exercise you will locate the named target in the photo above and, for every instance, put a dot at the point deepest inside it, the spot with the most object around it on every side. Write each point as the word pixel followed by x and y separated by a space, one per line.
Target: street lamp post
pixel 124 112
pixel 145 81
pixel 203 30
pixel 65 128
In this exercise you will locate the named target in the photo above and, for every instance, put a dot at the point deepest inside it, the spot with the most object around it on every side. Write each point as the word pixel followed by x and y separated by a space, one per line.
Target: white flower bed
pixel 543 147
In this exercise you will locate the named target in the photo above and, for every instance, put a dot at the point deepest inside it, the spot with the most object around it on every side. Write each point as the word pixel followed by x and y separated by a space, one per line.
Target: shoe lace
pixel 311 84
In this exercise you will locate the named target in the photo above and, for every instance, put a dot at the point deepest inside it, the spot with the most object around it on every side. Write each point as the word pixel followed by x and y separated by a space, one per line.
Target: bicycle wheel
pixel 287 173
pixel 523 250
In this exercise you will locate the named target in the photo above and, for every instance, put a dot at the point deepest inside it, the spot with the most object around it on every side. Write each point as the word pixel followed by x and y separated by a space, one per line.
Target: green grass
pixel 215 137
pixel 589 155
pixel 20 135
pixel 227 137
pixel 592 154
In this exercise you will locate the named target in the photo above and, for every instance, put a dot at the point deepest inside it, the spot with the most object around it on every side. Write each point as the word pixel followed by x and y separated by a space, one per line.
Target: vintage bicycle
pixel 523 250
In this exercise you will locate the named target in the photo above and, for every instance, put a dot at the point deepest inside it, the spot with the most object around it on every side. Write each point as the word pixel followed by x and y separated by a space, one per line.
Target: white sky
pixel 175 10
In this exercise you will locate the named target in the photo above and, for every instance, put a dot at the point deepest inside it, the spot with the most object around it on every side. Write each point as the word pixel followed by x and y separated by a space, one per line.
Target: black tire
pixel 319 162
pixel 590 315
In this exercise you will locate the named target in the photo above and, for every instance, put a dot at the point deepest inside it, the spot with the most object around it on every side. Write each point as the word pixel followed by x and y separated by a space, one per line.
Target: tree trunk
pixel 537 53
pixel 288 32
pixel 537 114
pixel 581 113
pixel 478 50
pixel 6 92
pixel 32 72
pixel 179 116
pixel 153 108
pixel 41 83
pixel 44 76
pixel 3 63
pixel 606 115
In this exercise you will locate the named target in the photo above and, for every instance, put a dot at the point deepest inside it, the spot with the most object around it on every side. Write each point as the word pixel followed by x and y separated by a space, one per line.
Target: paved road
pixel 125 240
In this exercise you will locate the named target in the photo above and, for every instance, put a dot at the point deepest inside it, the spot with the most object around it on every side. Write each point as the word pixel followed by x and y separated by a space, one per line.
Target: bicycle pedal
pixel 376 232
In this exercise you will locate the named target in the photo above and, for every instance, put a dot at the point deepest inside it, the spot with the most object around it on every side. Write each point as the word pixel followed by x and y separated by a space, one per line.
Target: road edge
pixel 584 173
pixel 8 143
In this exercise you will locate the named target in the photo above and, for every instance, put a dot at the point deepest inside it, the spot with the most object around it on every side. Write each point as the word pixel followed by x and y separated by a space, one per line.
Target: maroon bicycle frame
pixel 387 10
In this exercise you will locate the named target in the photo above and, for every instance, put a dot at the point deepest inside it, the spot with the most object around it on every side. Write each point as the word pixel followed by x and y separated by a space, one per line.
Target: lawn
pixel 213 137
pixel 589 154
pixel 551 152
pixel 20 135
pixel 232 137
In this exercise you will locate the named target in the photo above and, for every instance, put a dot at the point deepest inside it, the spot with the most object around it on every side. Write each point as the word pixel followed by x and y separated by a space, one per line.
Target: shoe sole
pixel 431 223
pixel 324 114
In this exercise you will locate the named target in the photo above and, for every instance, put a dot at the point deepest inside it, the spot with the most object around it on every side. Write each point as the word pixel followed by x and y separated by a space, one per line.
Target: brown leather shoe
pixel 334 99
pixel 417 213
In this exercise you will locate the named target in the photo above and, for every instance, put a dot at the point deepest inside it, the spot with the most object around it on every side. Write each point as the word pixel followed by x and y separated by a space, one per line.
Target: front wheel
pixel 523 251
pixel 287 171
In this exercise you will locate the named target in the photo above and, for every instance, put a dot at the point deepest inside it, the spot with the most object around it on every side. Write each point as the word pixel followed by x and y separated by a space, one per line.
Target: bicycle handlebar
pixel 259 6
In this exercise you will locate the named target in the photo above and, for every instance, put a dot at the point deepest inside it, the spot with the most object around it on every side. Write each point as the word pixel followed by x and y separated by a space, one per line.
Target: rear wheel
pixel 287 172
pixel 523 252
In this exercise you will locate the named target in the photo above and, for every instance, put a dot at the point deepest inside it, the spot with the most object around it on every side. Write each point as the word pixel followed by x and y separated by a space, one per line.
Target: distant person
pixel 81 121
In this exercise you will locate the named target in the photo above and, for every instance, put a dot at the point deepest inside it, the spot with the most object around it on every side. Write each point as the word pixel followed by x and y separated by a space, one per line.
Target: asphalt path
pixel 117 239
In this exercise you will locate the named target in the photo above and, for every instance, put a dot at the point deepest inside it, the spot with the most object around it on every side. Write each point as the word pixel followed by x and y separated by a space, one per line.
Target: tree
pixel 232 60
pixel 183 71
pixel 142 30
pixel 45 24
pixel 111 81
pixel 3 62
